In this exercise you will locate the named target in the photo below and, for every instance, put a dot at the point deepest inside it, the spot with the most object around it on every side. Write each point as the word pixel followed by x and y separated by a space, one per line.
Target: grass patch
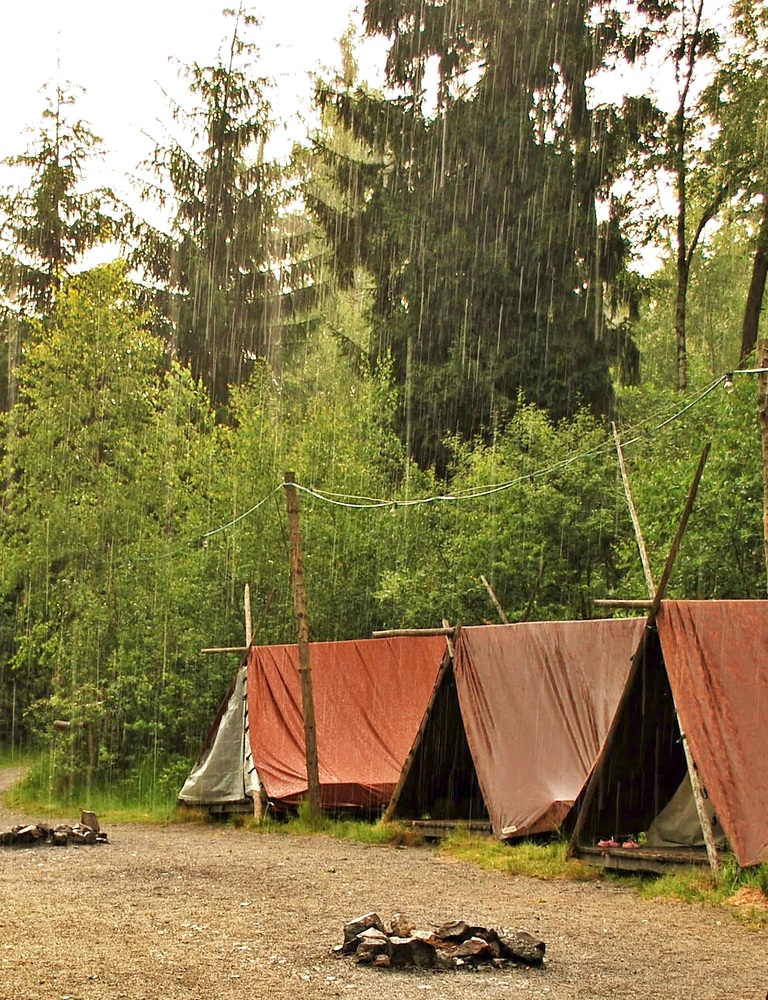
pixel 526 858
pixel 742 891
pixel 339 828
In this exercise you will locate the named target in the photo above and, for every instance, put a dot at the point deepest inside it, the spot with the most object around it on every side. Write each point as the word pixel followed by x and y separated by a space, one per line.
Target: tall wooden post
pixel 762 409
pixel 302 631
pixel 248 625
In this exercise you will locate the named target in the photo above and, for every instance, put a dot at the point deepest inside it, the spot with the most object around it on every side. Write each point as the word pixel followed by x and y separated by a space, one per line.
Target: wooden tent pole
pixel 609 602
pixel 248 622
pixel 597 773
pixel 302 630
pixel 633 514
pixel 225 649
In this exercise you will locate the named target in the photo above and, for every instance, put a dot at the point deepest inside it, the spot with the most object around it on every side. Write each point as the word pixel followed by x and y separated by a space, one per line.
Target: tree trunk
pixel 762 409
pixel 754 304
pixel 680 310
pixel 683 267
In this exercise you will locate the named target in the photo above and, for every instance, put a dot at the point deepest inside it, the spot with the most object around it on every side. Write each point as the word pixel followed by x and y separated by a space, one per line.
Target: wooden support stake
pixel 302 631
pixel 449 639
pixel 597 773
pixel 495 599
pixel 633 514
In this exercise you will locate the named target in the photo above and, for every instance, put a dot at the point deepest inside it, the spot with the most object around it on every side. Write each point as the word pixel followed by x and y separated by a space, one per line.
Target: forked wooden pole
pixel 302 630
pixel 698 793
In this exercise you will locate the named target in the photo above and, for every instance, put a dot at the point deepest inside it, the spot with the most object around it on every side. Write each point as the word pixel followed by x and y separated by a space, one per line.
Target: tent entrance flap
pixel 442 784
pixel 646 762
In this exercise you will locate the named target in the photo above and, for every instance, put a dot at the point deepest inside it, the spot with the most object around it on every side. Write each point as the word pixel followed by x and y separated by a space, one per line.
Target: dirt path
pixel 203 912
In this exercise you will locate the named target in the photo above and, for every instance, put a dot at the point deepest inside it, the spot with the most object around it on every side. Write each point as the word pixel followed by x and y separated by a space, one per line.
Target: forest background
pixel 431 313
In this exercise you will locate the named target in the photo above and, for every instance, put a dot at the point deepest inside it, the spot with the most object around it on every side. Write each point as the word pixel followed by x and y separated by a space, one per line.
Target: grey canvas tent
pixel 224 777
pixel 700 673
pixel 514 727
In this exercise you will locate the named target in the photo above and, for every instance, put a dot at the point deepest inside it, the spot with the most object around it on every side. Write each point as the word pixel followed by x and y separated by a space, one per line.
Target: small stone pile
pixel 87 831
pixel 454 945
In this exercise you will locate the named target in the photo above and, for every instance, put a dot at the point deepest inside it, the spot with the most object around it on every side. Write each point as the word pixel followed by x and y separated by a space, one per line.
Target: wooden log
pixel 762 411
pixel 609 602
pixel 248 625
pixel 391 633
pixel 226 649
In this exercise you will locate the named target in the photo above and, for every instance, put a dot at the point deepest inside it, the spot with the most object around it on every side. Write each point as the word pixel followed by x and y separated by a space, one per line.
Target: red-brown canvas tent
pixel 369 697
pixel 709 660
pixel 516 727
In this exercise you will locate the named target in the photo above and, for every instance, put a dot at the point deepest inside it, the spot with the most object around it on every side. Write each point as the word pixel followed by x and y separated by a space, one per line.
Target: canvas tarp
pixel 537 700
pixel 678 823
pixel 224 772
pixel 369 697
pixel 716 656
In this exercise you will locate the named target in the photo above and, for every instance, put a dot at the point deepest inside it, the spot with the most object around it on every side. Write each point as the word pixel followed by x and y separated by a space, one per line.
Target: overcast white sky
pixel 119 52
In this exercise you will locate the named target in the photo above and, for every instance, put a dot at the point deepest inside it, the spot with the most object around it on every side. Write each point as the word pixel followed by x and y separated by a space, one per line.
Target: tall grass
pixel 137 797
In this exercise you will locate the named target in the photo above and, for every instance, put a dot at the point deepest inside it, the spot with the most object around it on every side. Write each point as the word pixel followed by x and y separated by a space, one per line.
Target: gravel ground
pixel 193 912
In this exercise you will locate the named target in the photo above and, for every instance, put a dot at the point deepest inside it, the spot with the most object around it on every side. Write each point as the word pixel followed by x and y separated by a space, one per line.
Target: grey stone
pixel 412 951
pixel 355 927
pixel 370 944
pixel 474 949
pixel 521 946
pixel 90 819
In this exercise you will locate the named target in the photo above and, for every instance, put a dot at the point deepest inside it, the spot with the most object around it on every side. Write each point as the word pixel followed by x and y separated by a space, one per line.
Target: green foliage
pixel 722 552
pixel 477 219
pixel 221 277
pixel 47 225
pixel 544 543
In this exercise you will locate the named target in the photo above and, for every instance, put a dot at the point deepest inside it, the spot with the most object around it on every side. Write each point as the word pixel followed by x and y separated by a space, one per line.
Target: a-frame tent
pixel 704 663
pixel 369 697
pixel 515 725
